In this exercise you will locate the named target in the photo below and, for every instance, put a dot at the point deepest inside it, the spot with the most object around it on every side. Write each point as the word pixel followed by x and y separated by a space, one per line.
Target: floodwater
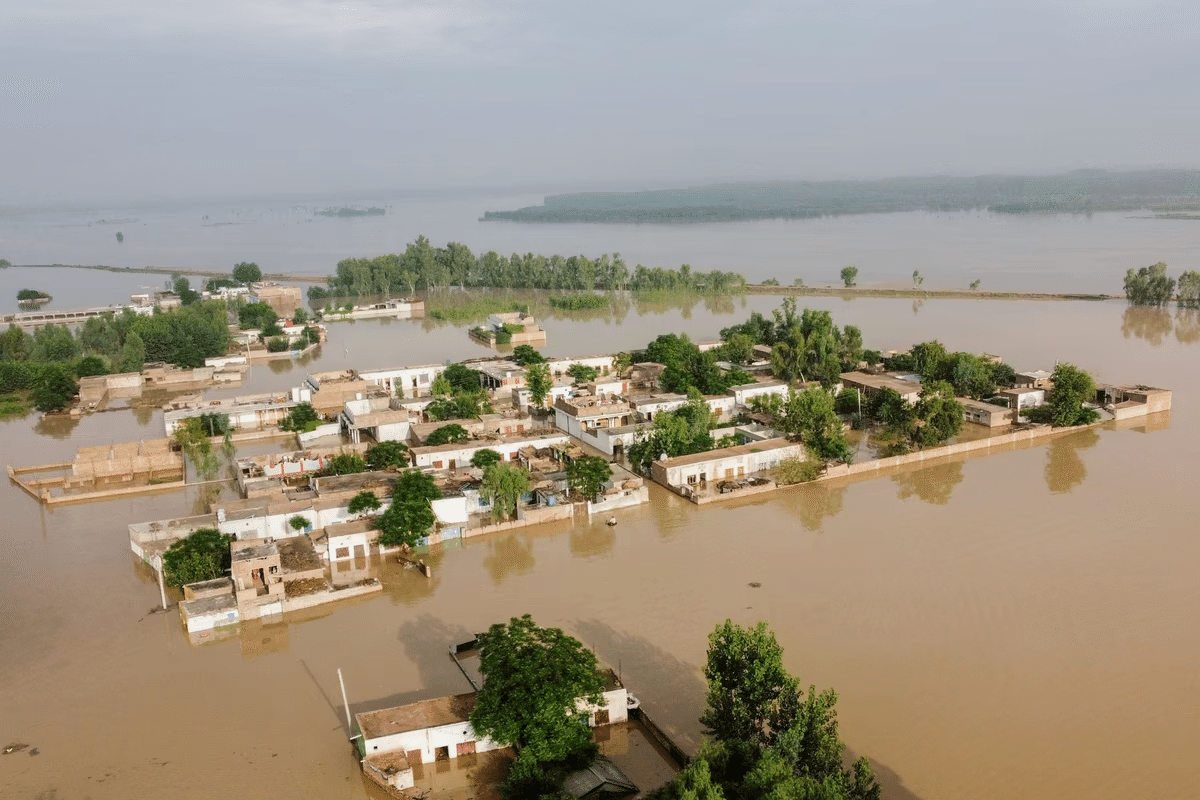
pixel 1041 253
pixel 1014 625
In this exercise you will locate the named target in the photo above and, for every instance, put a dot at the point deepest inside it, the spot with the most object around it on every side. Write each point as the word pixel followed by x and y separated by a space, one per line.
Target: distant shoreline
pixel 171 271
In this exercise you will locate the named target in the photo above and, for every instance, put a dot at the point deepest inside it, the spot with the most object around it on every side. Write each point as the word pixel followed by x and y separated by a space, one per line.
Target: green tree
pixel 1149 286
pixel 533 678
pixel 133 353
pixel 300 316
pixel 587 475
pixel 364 502
pixel 440 387
pixel 202 556
pixel 974 284
pixel 917 278
pixel 1072 388
pixel 298 522
pixel 462 378
pixel 810 415
pixel 183 288
pixel 523 355
pixel 928 359
pixel 582 373
pixel 247 272
pixel 537 378
pixel 849 276
pixel 485 458
pixel 120 237
pixel 301 419
pixel 739 348
pixel 383 455
pixel 258 316
pixel 939 415
pixel 971 375
pixel 448 434
pixel 410 515
pixel 695 782
pixel 503 486
pixel 1189 288
pixel 91 365
pixel 55 390
pixel 750 693
pixel 344 463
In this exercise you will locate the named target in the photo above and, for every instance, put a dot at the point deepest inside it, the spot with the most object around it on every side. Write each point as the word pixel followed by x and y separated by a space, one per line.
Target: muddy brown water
pixel 1014 625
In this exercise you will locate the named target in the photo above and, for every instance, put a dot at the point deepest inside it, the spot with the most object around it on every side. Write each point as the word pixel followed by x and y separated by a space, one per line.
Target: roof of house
pixel 899 385
pixel 1036 374
pixel 417 716
pixel 728 452
pixel 601 779
pixel 1019 390
pixel 251 551
pixel 979 405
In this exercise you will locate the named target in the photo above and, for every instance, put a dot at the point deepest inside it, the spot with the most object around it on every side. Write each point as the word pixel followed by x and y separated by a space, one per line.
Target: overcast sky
pixel 145 99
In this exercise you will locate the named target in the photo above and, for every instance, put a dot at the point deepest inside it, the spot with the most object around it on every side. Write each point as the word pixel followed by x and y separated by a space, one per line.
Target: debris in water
pixel 14 747
pixel 755 584
pixel 34 751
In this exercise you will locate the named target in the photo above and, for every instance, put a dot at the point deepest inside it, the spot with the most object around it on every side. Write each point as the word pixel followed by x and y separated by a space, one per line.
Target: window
pixel 437 465
pixel 341 552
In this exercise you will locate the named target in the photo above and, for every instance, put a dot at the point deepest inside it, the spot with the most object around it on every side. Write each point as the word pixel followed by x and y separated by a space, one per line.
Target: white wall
pixel 427 740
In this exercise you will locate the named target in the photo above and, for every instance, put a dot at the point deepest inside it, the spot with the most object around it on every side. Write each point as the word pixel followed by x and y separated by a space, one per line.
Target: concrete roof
pixel 899 385
pixel 208 605
pixel 728 452
pixel 416 716
pixel 982 406
pixel 249 551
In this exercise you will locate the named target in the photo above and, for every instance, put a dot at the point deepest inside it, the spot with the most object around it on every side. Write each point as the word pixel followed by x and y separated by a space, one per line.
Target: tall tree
pixel 503 486
pixel 587 475
pixel 810 415
pixel 410 516
pixel 201 556
pixel 1072 388
pixel 849 275
pixel 537 378
pixel 533 678
pixel 750 693
pixel 247 272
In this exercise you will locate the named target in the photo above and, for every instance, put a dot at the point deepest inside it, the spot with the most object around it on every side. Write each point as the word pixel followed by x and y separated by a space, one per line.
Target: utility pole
pixel 345 703
pixel 162 589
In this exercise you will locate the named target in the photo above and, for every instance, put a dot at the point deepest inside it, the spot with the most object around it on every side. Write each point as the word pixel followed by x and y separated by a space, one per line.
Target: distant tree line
pixel 422 267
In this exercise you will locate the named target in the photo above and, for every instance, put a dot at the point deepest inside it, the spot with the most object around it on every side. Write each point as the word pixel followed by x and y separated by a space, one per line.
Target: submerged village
pixel 397 459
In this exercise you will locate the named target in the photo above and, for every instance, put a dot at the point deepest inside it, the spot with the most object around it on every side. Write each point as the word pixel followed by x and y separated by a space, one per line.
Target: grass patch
pixel 464 307
pixel 14 405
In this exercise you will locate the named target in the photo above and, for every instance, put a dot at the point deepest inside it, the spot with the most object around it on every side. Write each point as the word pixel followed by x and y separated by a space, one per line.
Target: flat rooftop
pixel 258 550
pixel 898 384
pixel 416 716
pixel 728 452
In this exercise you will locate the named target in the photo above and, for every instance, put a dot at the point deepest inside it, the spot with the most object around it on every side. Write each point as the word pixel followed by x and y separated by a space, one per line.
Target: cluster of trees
pixel 805 346
pixel 770 738
pixel 1151 286
pixel 243 273
pixel 578 302
pixel 810 416
pixel 688 368
pixel 457 395
pixel 675 433
pixel 48 362
pixel 32 296
pixel 422 266
pixel 934 418
pixel 969 374
pixel 379 456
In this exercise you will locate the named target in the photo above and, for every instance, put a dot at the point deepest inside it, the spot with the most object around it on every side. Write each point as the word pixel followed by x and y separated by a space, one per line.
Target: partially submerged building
pixel 907 386
pixel 691 475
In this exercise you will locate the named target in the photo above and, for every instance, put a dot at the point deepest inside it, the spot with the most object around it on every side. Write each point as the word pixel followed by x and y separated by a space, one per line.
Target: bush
pixel 301 419
pixel 344 464
pixel 794 470
pixel 277 345
pixel 202 556
pixel 448 434
pixel 847 402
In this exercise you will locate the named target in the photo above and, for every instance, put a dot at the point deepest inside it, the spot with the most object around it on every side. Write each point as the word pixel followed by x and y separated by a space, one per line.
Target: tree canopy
pixel 537 378
pixel 1149 286
pixel 1064 401
pixel 448 434
pixel 383 455
pixel 485 458
pixel 202 556
pixel 849 275
pixel 532 678
pixel 503 486
pixel 247 272
pixel 410 516
pixel 586 475
pixel 364 502
pixel 523 355
pixel 772 741
pixel 810 415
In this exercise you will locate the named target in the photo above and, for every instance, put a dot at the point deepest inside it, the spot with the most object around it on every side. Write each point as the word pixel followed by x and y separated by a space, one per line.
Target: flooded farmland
pixel 1013 625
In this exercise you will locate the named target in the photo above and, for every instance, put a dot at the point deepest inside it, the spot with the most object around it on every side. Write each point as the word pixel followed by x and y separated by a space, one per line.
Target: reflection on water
pixel 814 503
pixel 917 305
pixel 593 539
pixel 509 554
pixel 1150 323
pixel 931 484
pixel 280 365
pixel 56 426
pixel 1187 325
pixel 1064 468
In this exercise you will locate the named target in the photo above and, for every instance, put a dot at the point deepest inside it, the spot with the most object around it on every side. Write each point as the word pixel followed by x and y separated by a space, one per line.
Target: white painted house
pixel 724 463
pixel 404 381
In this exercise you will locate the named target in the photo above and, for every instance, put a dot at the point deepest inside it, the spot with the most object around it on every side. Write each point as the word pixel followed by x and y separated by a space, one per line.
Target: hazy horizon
pixel 270 98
